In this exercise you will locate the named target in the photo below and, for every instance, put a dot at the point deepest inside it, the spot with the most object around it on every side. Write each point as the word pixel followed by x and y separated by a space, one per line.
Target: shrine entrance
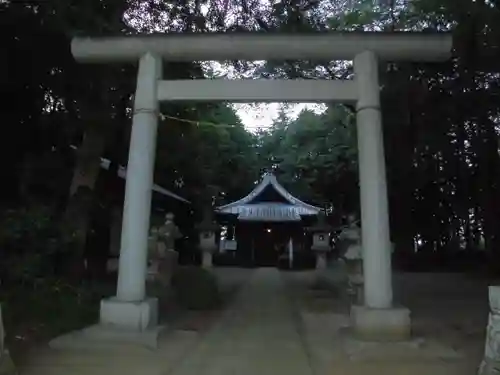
pixel 270 243
pixel 378 316
pixel 264 244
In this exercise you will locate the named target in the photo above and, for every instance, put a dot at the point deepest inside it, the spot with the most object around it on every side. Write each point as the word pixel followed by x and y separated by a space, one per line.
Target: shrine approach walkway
pixel 258 334
pixel 265 330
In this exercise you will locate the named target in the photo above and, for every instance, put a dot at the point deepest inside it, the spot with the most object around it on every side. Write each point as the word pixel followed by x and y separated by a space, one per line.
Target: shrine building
pixel 266 226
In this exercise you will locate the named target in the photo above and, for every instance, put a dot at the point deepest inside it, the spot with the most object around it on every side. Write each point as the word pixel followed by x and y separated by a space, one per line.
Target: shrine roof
pixel 249 208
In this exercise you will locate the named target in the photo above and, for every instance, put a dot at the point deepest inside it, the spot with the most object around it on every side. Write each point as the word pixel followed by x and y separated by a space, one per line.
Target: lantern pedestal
pixel 321 261
pixel 321 252
pixel 321 240
pixel 208 240
pixel 356 280
pixel 206 260
pixel 208 246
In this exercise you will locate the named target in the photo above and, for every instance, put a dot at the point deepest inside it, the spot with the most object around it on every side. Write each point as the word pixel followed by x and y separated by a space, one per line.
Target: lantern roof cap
pixel 321 224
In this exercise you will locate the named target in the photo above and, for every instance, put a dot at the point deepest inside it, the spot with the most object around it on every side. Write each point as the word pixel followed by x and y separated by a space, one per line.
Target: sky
pixel 258 116
pixel 255 116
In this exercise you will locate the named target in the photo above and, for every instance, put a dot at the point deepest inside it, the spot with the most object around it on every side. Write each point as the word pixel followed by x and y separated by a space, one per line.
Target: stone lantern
pixel 352 252
pixel 162 254
pixel 208 244
pixel 321 240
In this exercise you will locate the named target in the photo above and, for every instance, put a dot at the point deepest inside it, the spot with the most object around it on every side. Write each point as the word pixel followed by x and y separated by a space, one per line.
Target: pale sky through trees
pixel 262 115
pixel 255 115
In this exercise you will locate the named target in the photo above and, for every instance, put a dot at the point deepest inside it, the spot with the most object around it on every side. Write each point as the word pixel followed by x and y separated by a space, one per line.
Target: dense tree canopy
pixel 315 156
pixel 440 120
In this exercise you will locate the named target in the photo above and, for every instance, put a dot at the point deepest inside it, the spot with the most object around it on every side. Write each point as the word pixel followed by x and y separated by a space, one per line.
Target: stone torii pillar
pixel 131 316
pixel 378 318
pixel 130 308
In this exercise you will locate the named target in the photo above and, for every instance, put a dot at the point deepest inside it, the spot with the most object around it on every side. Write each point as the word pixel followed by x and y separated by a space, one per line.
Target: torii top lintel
pixel 394 46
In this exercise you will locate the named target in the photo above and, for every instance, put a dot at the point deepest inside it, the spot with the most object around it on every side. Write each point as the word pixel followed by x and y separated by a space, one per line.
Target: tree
pixel 440 121
pixel 89 106
pixel 211 153
pixel 315 156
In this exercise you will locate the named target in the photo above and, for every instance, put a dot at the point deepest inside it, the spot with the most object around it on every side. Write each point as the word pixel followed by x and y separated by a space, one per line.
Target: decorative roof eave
pixel 280 215
pixel 267 210
pixel 269 179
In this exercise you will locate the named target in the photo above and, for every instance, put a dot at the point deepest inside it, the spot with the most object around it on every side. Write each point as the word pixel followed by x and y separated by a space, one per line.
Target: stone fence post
pixel 491 361
pixel 6 365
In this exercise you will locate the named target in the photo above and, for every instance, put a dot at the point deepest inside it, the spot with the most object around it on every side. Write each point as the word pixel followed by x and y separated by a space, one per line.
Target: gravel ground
pixel 451 309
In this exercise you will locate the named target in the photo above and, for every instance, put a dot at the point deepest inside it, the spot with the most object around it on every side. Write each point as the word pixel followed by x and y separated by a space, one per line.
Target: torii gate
pixel 131 310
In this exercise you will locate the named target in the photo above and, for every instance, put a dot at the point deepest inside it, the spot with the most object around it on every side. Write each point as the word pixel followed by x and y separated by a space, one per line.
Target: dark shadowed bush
pixel 196 288
pixel 29 243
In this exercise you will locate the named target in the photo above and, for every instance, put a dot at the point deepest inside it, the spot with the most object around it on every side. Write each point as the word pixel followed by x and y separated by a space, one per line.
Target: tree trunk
pixel 88 162
pixel 76 219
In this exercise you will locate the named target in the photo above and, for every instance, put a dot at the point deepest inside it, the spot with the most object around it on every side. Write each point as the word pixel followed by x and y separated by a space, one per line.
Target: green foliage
pixel 440 120
pixel 46 309
pixel 315 156
pixel 29 239
pixel 220 160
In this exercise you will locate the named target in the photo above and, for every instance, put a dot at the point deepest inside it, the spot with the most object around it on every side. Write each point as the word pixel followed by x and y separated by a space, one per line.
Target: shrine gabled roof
pixel 242 205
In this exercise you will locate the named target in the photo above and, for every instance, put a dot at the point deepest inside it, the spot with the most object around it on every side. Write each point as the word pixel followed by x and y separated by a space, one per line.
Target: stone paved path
pixel 267 329
pixel 258 334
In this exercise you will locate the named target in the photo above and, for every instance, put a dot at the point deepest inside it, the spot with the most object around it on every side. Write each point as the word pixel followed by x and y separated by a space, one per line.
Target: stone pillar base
pixel 122 324
pixel 103 338
pixel 391 324
pixel 137 316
